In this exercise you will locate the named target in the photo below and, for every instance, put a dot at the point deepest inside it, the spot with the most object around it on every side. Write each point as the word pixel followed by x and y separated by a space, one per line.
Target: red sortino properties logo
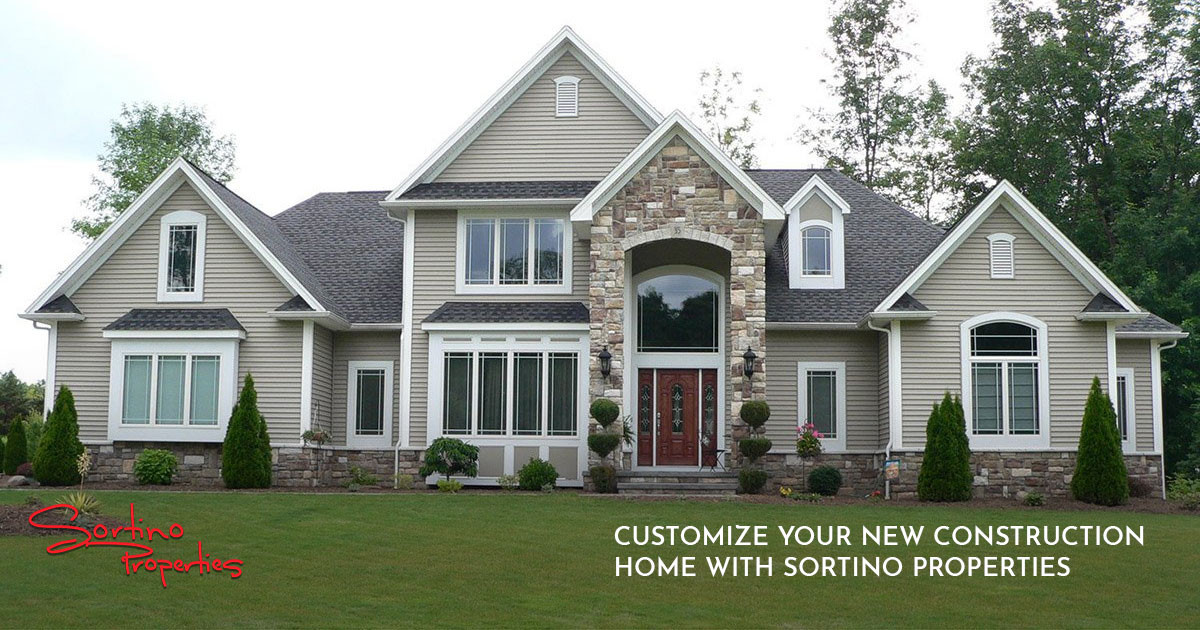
pixel 137 556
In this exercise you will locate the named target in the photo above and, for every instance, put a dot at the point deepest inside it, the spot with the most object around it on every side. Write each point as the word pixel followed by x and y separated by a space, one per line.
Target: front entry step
pixel 675 483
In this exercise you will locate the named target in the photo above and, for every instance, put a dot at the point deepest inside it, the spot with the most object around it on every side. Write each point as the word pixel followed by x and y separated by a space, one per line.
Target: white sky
pixel 352 96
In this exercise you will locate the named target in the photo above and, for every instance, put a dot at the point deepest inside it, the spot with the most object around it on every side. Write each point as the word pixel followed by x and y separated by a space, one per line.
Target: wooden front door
pixel 678 417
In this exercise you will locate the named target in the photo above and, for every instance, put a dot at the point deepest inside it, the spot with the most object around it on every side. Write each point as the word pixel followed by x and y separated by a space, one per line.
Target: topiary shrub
pixel 603 443
pixel 754 448
pixel 824 480
pixel 1100 475
pixel 25 470
pixel 604 411
pixel 537 474
pixel 155 466
pixel 755 414
pixel 56 460
pixel 946 470
pixel 751 480
pixel 246 454
pixel 14 450
pixel 604 479
pixel 449 457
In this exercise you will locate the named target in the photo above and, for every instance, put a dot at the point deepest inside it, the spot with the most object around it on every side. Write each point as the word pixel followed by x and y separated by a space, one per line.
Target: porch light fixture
pixel 748 362
pixel 605 362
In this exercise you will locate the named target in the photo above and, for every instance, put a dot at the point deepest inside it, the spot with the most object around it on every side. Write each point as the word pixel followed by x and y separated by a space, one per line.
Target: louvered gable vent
pixel 1001 248
pixel 566 102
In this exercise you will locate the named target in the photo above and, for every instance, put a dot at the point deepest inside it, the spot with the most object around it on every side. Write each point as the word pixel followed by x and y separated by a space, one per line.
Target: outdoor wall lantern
pixel 748 362
pixel 605 362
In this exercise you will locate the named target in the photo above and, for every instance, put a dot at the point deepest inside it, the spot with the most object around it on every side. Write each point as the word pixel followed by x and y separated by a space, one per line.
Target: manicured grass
pixel 548 560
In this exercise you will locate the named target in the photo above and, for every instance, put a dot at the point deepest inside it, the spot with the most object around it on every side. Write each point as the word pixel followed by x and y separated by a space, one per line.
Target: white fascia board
pixel 512 89
pixel 174 334
pixel 414 204
pixel 901 315
pixel 1038 225
pixel 1108 317
pixel 816 186
pixel 52 317
pixel 812 326
pixel 676 123
pixel 498 327
pixel 325 318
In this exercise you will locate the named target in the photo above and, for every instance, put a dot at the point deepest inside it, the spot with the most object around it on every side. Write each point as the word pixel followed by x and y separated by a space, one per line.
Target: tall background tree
pixel 729 113
pixel 145 139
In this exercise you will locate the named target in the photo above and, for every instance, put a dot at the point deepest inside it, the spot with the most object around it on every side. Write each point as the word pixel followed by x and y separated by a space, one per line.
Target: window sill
pixel 1039 442
pixel 167 433
pixel 513 289
pixel 193 296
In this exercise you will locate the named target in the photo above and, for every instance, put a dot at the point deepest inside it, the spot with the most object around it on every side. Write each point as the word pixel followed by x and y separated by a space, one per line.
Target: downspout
pixel 1161 428
pixel 887 450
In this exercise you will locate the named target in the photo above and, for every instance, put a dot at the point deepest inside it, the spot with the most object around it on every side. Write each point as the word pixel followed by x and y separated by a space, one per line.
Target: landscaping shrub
pixel 56 460
pixel 360 477
pixel 824 480
pixel 82 501
pixel 604 479
pixel 246 456
pixel 945 473
pixel 508 483
pixel 155 466
pixel 537 474
pixel 449 457
pixel 25 470
pixel 755 414
pixel 35 425
pixel 1035 499
pixel 1100 475
pixel 1184 491
pixel 449 485
pixel 14 449
pixel 751 480
pixel 1139 488
pixel 603 443
pixel 403 481
pixel 604 411
pixel 754 448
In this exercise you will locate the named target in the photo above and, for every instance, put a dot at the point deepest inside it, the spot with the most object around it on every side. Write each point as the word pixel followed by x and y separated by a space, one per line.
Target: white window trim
pixel 369 441
pixel 1129 444
pixel 227 349
pixel 558 110
pixel 460 259
pixel 181 217
pixel 829 445
pixel 1001 237
pixel 837 253
pixel 1008 442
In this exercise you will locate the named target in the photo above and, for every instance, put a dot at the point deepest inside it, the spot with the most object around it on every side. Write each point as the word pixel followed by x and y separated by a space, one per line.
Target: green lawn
pixel 548 560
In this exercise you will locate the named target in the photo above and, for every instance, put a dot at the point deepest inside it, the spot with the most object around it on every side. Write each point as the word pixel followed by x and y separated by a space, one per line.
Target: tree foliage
pixel 945 473
pixel 17 399
pixel 246 453
pixel 728 114
pixel 56 460
pixel 145 139
pixel 1100 476
pixel 15 448
pixel 449 457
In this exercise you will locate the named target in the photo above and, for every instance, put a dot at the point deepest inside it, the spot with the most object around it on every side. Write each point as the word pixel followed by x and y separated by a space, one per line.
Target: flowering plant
pixel 808 440
pixel 785 491
pixel 875 497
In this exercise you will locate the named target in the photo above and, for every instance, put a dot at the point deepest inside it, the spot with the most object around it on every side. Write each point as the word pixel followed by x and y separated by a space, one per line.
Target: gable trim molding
pixel 566 40
pixel 175 175
pixel 1082 268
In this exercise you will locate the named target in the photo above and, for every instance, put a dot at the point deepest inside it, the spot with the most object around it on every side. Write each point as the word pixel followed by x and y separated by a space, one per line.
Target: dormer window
pixel 181 257
pixel 815 251
pixel 566 97
pixel 1001 255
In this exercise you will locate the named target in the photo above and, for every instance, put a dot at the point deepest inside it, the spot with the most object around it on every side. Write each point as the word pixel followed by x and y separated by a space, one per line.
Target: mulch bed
pixel 1144 505
pixel 14 520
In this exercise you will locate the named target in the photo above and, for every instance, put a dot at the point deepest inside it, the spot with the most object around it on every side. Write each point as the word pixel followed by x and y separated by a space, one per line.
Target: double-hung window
pixel 529 254
pixel 369 404
pixel 821 400
pixel 1005 384
pixel 524 393
pixel 181 257
pixel 170 389
pixel 1125 408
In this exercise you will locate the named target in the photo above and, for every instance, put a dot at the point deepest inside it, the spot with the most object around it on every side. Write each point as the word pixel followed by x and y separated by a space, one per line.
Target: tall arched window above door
pixel 1005 384
pixel 678 313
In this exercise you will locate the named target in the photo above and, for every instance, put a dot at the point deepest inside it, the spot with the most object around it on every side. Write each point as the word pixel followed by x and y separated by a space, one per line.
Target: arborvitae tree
pixel 15 451
pixel 246 455
pixel 946 471
pixel 1100 475
pixel 55 463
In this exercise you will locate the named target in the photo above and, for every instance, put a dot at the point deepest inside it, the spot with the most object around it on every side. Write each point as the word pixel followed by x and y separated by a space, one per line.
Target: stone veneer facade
pixel 997 473
pixel 294 467
pixel 678 195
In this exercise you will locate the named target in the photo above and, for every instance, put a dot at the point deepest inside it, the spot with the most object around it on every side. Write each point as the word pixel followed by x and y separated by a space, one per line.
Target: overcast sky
pixel 336 96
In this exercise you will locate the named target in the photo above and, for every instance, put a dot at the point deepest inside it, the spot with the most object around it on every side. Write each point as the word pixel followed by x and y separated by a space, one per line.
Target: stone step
pixel 676 489
pixel 667 478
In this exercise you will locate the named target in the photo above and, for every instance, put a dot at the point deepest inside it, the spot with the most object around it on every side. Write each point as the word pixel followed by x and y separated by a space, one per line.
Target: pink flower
pixel 817 434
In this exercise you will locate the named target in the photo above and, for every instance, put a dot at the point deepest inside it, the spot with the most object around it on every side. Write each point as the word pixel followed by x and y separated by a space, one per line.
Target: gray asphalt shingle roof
pixel 907 302
pixel 884 243
pixel 176 319
pixel 1151 323
pixel 509 313
pixel 60 304
pixel 1101 303
pixel 355 251
pixel 501 190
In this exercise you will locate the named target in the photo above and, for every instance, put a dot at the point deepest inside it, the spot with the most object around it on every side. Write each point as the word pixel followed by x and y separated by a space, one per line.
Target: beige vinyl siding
pixel 885 405
pixel 234 278
pixel 1135 354
pixel 322 396
pixel 527 141
pixel 860 352
pixel 963 288
pixel 433 285
pixel 362 346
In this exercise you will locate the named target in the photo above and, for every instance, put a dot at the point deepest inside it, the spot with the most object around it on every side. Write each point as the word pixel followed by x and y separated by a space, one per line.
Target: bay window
pixel 496 393
pixel 500 253
pixel 1004 393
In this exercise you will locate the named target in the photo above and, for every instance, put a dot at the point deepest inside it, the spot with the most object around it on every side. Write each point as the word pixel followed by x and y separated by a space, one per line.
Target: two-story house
pixel 570 242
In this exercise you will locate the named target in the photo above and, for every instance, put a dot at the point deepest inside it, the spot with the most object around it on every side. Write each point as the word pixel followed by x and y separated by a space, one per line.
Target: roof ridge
pixel 222 185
